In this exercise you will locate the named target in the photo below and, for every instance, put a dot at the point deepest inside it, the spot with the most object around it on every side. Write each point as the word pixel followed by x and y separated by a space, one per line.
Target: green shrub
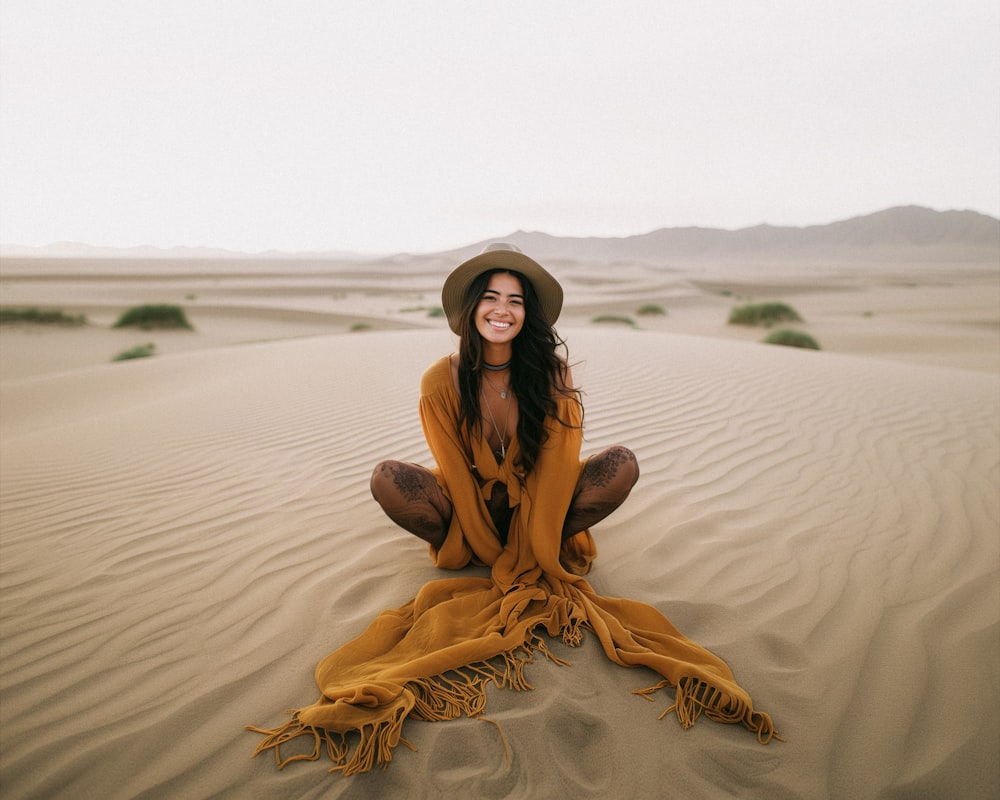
pixel 618 318
pixel 791 338
pixel 139 351
pixel 153 316
pixel 360 326
pixel 651 309
pixel 38 316
pixel 763 314
pixel 437 311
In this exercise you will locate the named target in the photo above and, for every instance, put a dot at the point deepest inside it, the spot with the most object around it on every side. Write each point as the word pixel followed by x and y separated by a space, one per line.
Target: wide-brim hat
pixel 504 256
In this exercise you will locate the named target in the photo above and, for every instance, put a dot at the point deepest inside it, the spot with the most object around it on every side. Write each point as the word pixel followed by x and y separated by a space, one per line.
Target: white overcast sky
pixel 422 125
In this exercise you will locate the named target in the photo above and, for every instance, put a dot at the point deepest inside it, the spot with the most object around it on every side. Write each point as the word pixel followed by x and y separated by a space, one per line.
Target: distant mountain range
pixel 907 233
pixel 895 235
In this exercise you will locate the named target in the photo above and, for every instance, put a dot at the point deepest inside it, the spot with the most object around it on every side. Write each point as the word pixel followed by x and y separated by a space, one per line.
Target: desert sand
pixel 185 536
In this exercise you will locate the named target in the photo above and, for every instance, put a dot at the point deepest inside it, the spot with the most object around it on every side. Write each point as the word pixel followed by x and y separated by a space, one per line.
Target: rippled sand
pixel 184 537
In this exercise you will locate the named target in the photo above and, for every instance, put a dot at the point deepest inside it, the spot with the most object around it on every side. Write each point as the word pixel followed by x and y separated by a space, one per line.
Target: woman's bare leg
pixel 411 497
pixel 606 481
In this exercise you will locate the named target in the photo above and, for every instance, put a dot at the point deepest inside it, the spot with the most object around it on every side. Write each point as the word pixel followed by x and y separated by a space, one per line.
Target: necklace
pixel 497 367
pixel 502 452
pixel 502 392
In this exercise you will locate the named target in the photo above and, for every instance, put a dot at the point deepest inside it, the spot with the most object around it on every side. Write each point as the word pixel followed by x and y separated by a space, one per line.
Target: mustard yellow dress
pixel 432 658
pixel 468 472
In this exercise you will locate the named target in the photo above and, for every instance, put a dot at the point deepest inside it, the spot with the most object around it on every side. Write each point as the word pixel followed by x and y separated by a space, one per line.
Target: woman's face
pixel 500 314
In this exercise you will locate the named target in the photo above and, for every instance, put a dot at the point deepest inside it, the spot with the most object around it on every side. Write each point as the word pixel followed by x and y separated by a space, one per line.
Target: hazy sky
pixel 383 126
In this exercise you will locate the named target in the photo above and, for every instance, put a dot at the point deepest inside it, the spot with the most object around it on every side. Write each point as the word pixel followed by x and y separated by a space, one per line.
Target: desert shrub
pixel 617 318
pixel 763 314
pixel 139 351
pixel 791 338
pixel 651 309
pixel 39 316
pixel 431 311
pixel 153 316
pixel 360 326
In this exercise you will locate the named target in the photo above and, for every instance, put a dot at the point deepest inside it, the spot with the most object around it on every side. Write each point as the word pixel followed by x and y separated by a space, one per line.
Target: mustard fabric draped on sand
pixel 433 658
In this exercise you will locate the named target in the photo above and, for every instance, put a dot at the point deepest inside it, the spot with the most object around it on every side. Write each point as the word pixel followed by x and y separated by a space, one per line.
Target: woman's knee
pixel 616 466
pixel 396 479
pixel 629 464
pixel 398 483
pixel 411 497
pixel 382 478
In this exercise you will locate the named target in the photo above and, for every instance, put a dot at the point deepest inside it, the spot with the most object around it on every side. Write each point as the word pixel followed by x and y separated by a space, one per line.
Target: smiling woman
pixel 509 381
pixel 509 490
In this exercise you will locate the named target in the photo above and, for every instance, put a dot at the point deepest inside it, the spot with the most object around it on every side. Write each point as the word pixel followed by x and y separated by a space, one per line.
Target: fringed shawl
pixel 433 658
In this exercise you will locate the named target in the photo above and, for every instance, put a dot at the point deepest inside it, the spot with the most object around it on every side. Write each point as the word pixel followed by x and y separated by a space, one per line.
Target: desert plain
pixel 183 537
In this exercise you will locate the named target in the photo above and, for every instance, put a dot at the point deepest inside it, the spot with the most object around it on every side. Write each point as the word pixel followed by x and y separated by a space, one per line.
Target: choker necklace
pixel 496 367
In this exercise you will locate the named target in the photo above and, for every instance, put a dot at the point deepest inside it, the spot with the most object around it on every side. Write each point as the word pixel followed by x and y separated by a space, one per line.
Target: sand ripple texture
pixel 183 538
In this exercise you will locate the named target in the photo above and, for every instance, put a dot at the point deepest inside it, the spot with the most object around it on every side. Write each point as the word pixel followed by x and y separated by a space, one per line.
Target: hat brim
pixel 547 288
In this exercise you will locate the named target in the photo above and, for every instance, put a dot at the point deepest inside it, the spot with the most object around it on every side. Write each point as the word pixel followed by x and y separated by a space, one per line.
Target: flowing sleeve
pixel 471 536
pixel 551 485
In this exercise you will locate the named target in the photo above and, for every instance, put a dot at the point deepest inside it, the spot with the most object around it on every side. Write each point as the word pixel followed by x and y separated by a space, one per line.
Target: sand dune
pixel 185 537
pixel 932 314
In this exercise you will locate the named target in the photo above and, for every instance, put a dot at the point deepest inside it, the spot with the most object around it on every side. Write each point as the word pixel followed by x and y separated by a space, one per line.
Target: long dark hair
pixel 537 372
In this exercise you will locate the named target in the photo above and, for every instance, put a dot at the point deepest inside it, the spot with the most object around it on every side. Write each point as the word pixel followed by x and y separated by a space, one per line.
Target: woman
pixel 503 421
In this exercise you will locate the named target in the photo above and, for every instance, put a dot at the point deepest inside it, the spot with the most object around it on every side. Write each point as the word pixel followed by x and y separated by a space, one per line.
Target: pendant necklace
pixel 502 452
pixel 502 392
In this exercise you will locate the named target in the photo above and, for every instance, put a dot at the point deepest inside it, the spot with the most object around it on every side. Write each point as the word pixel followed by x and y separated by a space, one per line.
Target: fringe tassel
pixel 336 751
pixel 503 738
pixel 694 697
pixel 572 633
pixel 463 692
pixel 442 697
pixel 538 643
pixel 378 740
pixel 512 674
pixel 290 730
pixel 438 699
